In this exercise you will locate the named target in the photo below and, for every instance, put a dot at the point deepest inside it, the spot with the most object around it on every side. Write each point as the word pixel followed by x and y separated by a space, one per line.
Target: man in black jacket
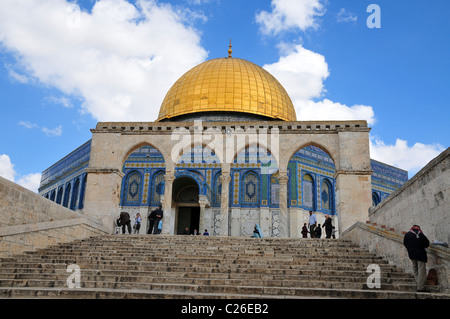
pixel 125 221
pixel 416 242
pixel 158 214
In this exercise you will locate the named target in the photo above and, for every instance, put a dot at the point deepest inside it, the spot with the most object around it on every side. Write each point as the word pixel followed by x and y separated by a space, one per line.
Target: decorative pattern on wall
pixel 254 181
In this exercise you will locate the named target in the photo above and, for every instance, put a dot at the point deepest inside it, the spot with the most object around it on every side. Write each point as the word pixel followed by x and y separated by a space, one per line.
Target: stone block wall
pixel 388 243
pixel 423 200
pixel 29 221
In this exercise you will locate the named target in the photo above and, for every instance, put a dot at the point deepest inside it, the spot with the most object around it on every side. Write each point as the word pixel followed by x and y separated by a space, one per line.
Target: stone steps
pixel 99 293
pixel 188 267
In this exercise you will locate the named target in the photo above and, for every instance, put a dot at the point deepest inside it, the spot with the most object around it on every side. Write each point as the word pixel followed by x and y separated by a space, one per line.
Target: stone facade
pixel 346 142
pixel 29 221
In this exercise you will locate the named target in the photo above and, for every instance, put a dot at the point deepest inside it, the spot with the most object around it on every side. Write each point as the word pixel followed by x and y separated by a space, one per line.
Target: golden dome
pixel 228 85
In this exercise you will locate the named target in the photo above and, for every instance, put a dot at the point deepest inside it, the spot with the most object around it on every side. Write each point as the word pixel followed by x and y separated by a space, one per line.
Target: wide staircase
pixel 181 267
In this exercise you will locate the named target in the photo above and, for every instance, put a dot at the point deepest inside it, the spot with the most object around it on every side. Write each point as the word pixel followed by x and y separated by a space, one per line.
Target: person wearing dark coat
pixel 415 242
pixel 305 231
pixel 125 221
pixel 328 226
pixel 318 231
pixel 158 215
pixel 151 221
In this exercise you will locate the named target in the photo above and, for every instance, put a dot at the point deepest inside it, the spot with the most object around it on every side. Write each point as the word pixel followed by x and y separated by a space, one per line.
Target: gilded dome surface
pixel 228 85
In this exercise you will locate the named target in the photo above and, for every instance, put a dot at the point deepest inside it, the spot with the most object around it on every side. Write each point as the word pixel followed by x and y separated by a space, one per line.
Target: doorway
pixel 185 196
pixel 188 220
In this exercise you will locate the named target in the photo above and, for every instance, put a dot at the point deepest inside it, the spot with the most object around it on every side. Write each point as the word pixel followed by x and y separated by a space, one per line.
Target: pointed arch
pixel 158 155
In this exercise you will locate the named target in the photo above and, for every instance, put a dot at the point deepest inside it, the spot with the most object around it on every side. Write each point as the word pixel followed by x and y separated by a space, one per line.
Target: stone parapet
pixel 29 221
pixel 283 126
pixel 423 200
pixel 388 243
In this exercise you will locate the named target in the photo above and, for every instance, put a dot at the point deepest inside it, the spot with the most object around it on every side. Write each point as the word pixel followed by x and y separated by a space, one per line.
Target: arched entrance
pixel 185 196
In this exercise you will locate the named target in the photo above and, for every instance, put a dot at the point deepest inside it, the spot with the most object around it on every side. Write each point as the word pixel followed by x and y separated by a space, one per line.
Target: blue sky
pixel 65 65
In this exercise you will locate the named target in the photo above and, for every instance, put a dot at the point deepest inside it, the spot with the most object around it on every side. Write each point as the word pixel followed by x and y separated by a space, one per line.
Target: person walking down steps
pixel 415 242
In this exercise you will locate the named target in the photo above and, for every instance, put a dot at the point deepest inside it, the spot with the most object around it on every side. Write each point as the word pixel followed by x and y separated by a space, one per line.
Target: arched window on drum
pixel 217 190
pixel 308 192
pixel 157 188
pixel 67 194
pixel 326 196
pixel 375 199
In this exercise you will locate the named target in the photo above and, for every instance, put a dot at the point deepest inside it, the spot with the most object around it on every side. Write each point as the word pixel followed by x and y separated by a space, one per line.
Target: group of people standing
pixel 315 230
pixel 154 218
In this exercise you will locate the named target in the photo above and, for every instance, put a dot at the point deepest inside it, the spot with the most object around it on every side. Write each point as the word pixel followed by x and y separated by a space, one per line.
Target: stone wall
pixel 423 200
pixel 29 221
pixel 388 243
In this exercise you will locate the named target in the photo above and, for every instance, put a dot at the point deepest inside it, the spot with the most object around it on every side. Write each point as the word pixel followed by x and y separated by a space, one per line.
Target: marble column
pixel 225 179
pixel 168 226
pixel 284 216
pixel 205 221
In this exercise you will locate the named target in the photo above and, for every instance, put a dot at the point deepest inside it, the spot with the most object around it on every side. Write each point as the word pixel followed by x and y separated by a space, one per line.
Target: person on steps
pixel 125 221
pixel 328 226
pixel 158 214
pixel 318 231
pixel 415 242
pixel 257 233
pixel 312 223
pixel 304 231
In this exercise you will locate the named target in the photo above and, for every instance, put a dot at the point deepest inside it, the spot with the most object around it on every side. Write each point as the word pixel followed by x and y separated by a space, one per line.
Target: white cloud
pixel 302 73
pixel 410 158
pixel 345 16
pixel 328 110
pixel 290 14
pixel 120 58
pixel 27 124
pixel 64 101
pixel 6 168
pixel 30 181
pixel 57 131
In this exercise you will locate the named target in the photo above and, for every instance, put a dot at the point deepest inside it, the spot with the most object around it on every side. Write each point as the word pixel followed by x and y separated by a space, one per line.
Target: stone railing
pixel 29 221
pixel 388 243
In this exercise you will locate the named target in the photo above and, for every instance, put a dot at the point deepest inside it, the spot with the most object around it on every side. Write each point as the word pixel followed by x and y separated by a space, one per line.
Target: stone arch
pixel 328 143
pixel 267 150
pixel 196 177
pixel 187 149
pixel 311 159
pixel 138 146
pixel 319 145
